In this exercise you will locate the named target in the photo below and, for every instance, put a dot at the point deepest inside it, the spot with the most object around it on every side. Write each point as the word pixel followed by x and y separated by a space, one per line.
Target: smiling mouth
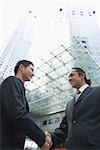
pixel 71 82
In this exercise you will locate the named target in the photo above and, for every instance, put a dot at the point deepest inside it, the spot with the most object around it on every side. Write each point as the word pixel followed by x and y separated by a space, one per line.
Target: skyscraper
pixel 84 28
pixel 17 47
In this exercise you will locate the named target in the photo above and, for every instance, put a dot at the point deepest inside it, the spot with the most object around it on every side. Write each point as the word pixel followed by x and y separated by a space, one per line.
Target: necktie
pixel 78 92
pixel 77 95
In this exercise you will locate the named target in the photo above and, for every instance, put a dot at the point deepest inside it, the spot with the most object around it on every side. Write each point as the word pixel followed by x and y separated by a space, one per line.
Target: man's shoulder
pixel 96 87
pixel 12 81
pixel 10 78
pixel 7 82
pixel 70 102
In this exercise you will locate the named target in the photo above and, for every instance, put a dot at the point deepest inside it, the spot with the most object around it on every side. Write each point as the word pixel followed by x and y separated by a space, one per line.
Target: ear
pixel 82 76
pixel 21 67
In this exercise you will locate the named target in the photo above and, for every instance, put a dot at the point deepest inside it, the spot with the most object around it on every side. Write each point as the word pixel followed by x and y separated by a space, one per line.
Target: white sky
pixel 50 30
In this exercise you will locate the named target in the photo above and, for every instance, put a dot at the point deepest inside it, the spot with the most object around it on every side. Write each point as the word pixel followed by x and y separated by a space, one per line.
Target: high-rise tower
pixel 84 28
pixel 17 47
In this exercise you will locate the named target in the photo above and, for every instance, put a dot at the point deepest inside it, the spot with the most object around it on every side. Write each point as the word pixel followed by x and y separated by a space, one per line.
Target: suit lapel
pixel 84 93
pixel 72 103
pixel 70 110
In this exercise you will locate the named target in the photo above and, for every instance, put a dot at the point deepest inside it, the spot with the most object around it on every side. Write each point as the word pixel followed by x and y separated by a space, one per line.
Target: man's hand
pixel 48 141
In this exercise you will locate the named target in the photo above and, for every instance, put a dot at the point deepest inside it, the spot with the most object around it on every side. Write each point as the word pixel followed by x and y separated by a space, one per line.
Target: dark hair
pixel 23 62
pixel 82 72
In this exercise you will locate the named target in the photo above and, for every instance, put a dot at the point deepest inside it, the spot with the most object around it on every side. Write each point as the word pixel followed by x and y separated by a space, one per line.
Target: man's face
pixel 28 72
pixel 75 79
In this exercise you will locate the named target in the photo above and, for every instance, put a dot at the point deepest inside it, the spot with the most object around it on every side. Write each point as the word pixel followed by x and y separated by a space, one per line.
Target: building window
pixel 85 46
pixel 57 119
pixel 81 13
pixel 50 121
pixel 93 12
pixel 73 12
pixel 83 41
pixel 45 122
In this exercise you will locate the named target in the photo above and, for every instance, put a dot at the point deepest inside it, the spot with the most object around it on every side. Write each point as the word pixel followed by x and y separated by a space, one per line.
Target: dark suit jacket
pixel 81 124
pixel 14 114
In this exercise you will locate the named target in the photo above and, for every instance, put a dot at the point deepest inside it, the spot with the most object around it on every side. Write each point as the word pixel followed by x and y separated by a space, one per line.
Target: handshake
pixel 48 141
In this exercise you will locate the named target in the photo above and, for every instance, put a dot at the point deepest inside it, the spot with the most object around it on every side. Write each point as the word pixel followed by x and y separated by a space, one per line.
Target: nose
pixel 32 72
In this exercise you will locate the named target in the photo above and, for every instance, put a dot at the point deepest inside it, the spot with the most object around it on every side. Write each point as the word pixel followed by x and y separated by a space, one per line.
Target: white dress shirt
pixel 81 89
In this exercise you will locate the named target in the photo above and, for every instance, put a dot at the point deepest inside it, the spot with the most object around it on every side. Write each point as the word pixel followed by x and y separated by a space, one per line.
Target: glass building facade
pixel 50 90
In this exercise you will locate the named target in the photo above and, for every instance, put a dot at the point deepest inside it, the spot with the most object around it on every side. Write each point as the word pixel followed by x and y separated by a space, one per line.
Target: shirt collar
pixel 82 88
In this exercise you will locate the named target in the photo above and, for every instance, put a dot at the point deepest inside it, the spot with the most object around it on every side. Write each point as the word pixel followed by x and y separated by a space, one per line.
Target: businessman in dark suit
pixel 15 122
pixel 81 124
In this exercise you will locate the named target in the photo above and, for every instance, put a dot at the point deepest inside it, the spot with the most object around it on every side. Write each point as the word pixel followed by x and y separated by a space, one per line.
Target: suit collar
pixel 84 93
pixel 82 88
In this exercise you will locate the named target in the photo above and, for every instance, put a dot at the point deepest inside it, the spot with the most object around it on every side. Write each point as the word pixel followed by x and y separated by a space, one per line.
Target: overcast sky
pixel 51 24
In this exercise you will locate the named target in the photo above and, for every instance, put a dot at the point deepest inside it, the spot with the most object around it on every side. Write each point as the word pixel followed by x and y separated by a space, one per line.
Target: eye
pixel 32 69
